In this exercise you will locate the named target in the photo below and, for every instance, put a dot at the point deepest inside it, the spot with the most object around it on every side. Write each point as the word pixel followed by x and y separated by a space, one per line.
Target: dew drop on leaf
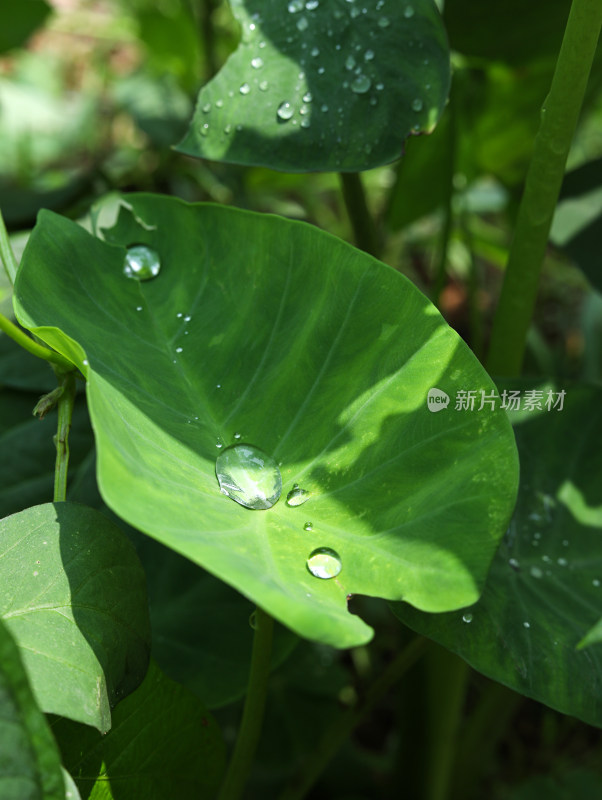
pixel 248 476
pixel 257 63
pixel 417 104
pixel 361 84
pixel 297 496
pixel 245 88
pixel 302 24
pixel 324 563
pixel 383 22
pixel 309 526
pixel 408 12
pixel 285 111
pixel 467 617
pixel 263 86
pixel 141 263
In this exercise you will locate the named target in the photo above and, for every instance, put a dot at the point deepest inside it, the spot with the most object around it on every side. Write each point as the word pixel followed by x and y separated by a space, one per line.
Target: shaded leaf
pixel 18 20
pixel 163 743
pixel 303 77
pixel 30 766
pixel 72 594
pixel 316 353
pixel 544 591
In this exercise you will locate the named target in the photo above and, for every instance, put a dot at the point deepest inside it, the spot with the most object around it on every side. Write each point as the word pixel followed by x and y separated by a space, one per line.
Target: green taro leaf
pixel 19 19
pixel 326 86
pixel 30 766
pixel 312 351
pixel 163 744
pixel 72 594
pixel 544 591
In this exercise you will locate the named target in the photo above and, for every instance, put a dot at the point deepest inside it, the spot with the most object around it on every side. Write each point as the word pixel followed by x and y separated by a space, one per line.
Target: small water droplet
pixel 417 104
pixel 296 5
pixel 237 435
pixel 141 263
pixel 324 563
pixel 285 111
pixel 526 624
pixel 324 108
pixel 263 85
pixel 595 582
pixel 305 123
pixel 379 87
pixel 536 572
pixel 350 62
pixel 206 108
pixel 297 496
pixel 219 103
pixel 369 55
pixel 312 4
pixel 361 84
pixel 562 562
pixel 514 564
pixel 179 349
pixel 138 308
pixel 383 22
pixel 315 52
pixel 248 476
pixel 408 12
pixel 467 617
pixel 245 88
pixel 257 63
pixel 204 129
pixel 309 526
pixel 302 24
pixel 307 97
pixel 253 620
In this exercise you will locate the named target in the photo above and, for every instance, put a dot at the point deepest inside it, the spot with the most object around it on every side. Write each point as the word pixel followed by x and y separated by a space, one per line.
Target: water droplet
pixel 285 111
pixel 138 308
pixel 296 5
pixel 263 86
pixel 248 476
pixel 417 104
pixel 408 12
pixel 380 87
pixel 369 55
pixel 141 263
pixel 179 349
pixel 297 496
pixel 257 63
pixel 350 62
pixel 85 362
pixel 206 108
pixel 309 526
pixel 536 572
pixel 219 444
pixel 514 564
pixel 315 52
pixel 361 84
pixel 324 108
pixel 526 624
pixel 219 103
pixel 595 582
pixel 467 617
pixel 312 4
pixel 253 620
pixel 324 563
pixel 305 123
pixel 562 562
pixel 302 24
pixel 321 70
pixel 237 435
pixel 307 97
pixel 204 129
pixel 383 22
pixel 245 88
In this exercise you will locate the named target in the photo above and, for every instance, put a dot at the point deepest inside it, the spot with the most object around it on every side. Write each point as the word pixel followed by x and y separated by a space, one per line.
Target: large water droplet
pixel 141 263
pixel 324 563
pixel 361 84
pixel 285 111
pixel 297 496
pixel 248 476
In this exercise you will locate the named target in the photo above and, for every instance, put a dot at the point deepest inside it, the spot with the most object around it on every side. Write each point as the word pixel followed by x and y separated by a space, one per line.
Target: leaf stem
pixel 364 229
pixel 337 734
pixel 27 343
pixel 61 440
pixel 559 118
pixel 6 252
pixel 247 740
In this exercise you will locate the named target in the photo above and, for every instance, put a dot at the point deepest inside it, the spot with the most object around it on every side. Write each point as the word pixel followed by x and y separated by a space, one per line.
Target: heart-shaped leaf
pixel 163 743
pixel 330 85
pixel 72 594
pixel 310 350
pixel 30 766
pixel 544 591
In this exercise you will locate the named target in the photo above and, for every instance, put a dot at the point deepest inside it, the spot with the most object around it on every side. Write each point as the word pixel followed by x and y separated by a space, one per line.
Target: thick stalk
pixel 65 413
pixel 247 740
pixel 27 343
pixel 364 229
pixel 337 734
pixel 6 252
pixel 558 122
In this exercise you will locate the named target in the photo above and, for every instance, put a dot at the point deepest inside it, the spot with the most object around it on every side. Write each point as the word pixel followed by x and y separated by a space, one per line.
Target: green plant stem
pixel 559 118
pixel 65 413
pixel 27 343
pixel 337 734
pixel 6 252
pixel 448 677
pixel 252 717
pixel 364 228
pixel 448 211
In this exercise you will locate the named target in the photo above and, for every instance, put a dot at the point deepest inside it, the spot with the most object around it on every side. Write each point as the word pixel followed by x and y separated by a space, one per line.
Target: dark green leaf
pixel 317 354
pixel 544 591
pixel 72 594
pixel 19 19
pixel 334 87
pixel 30 766
pixel 578 784
pixel 163 744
